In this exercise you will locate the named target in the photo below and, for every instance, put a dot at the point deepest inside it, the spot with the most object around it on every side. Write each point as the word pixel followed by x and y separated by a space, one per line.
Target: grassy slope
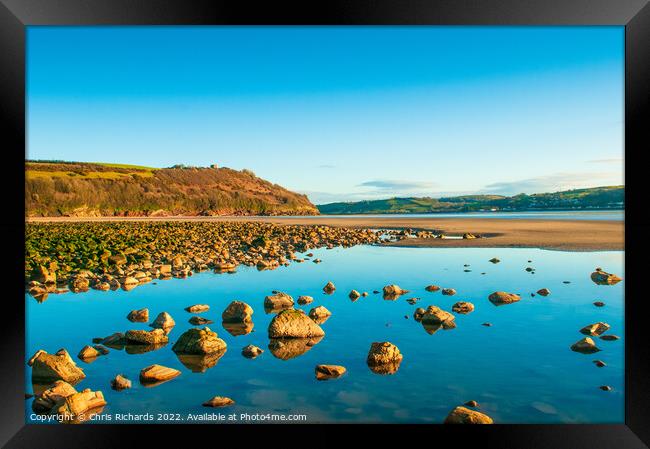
pixel 57 188
pixel 596 197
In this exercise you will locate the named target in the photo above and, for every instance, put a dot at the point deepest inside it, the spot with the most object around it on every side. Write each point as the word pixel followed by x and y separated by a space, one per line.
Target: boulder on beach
pixel 585 346
pixel 46 400
pixel 237 312
pixel 139 316
pixel 326 372
pixel 218 401
pixel 302 300
pixel 595 329
pixel 141 337
pixel 163 321
pixel 48 368
pixel 501 298
pixel 329 288
pixel 463 307
pixel 435 315
pixel 277 302
pixel 463 415
pixel 197 308
pixel 543 292
pixel 251 351
pixel 157 373
pixel 293 324
pixel 78 405
pixel 432 288
pixel 199 341
pixel 120 382
pixel 601 277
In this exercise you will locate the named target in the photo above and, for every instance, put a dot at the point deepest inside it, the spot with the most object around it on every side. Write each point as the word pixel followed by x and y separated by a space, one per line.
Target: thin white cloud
pixel 614 160
pixel 389 184
pixel 554 183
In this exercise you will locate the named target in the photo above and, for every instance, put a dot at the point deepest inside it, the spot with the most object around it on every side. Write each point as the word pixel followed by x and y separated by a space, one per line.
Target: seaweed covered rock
pixel 199 341
pixel 48 368
pixel 293 324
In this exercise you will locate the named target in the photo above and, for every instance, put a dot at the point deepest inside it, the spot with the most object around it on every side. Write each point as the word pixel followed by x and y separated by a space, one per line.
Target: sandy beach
pixel 568 235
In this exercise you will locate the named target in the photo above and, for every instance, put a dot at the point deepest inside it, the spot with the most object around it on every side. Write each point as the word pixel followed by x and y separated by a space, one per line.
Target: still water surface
pixel 520 369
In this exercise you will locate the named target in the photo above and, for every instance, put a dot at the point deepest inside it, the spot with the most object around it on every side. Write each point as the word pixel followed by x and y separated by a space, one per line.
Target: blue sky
pixel 338 113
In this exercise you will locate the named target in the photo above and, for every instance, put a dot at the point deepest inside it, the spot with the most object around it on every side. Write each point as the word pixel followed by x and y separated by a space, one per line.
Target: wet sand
pixel 567 235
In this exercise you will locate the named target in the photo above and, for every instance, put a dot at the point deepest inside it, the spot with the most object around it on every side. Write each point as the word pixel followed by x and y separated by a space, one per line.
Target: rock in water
pixel 152 337
pixel 120 383
pixel 325 372
pixel 318 313
pixel 599 303
pixel 140 316
pixel 393 291
pixel 463 307
pixel 544 292
pixel 494 260
pixel 251 351
pixel 238 312
pixel 199 341
pixel 417 315
pixel 601 277
pixel 48 368
pixel 218 401
pixel 197 308
pixel 302 300
pixel 157 373
pixel 329 288
pixel 595 329
pixel 77 405
pixel 199 321
pixel 383 352
pixel 87 353
pixel 163 321
pixel 279 301
pixel 501 298
pixel 354 295
pixel 610 337
pixel 432 288
pixel 585 346
pixel 293 324
pixel 45 401
pixel 471 404
pixel 599 363
pixel 448 291
pixel 435 315
pixel 462 415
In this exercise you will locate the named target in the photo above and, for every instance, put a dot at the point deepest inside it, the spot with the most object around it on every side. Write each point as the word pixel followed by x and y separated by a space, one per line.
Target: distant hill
pixel 611 197
pixel 59 188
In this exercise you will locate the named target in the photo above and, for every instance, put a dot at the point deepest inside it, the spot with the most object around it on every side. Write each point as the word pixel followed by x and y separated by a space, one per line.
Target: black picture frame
pixel 15 15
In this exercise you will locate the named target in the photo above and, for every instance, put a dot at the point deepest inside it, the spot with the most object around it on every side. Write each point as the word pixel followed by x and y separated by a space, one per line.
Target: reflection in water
pixel 236 329
pixel 289 348
pixel 431 328
pixel 141 349
pixel 200 363
pixel 385 368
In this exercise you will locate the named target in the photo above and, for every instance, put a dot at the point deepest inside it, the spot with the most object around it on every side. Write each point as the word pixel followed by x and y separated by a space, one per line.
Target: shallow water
pixel 520 370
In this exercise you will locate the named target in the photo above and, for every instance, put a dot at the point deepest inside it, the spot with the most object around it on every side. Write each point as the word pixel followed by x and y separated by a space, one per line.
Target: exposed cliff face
pixel 88 189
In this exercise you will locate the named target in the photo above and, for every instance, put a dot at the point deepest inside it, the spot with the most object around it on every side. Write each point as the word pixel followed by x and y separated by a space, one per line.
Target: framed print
pixel 367 213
